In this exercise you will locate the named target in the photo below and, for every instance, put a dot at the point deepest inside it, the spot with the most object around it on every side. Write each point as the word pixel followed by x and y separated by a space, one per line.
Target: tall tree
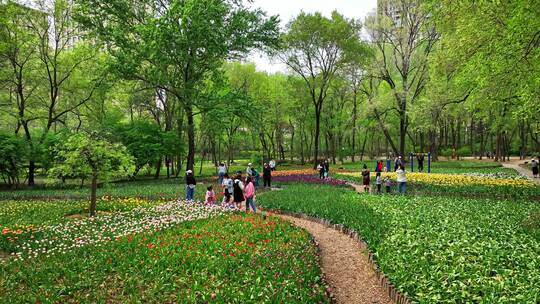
pixel 174 45
pixel 315 48
pixel 403 43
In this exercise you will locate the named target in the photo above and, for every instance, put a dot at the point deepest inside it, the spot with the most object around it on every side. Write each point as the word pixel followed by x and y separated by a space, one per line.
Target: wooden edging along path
pixel 349 293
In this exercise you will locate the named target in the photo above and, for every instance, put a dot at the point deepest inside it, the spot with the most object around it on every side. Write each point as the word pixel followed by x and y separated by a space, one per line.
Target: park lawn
pixel 232 258
pixel 173 188
pixel 435 249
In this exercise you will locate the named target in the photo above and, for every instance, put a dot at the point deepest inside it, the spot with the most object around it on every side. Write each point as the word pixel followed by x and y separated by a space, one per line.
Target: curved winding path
pixel 345 264
pixel 515 164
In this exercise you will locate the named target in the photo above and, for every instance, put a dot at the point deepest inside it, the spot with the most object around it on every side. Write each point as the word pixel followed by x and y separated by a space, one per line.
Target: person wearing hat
pixel 249 169
pixel 190 185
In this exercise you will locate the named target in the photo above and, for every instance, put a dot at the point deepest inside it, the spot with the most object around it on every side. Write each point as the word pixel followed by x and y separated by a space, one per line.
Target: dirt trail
pixel 345 264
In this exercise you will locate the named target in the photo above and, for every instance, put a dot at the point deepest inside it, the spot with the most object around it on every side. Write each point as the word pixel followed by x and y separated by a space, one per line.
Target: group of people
pixel 399 168
pixel 324 169
pixel 235 190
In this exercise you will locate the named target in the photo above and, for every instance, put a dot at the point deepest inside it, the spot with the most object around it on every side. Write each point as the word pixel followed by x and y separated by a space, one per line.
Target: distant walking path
pixel 515 164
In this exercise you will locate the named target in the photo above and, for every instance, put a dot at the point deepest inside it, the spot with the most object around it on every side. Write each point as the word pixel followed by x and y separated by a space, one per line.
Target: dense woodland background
pixel 94 89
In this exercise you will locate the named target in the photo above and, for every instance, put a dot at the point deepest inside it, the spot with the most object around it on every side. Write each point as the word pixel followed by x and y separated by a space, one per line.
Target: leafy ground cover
pixel 435 249
pixel 226 259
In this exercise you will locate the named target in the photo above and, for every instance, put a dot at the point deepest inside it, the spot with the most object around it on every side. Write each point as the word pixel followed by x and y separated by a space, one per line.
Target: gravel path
pixel 516 166
pixel 345 264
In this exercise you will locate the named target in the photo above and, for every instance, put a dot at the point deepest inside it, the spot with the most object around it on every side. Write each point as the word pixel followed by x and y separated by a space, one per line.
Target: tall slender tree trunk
pixel 93 192
pixel 363 147
pixel 292 140
pixel 191 138
pixel 354 117
pixel 316 139
pixel 482 140
pixel 158 169
pixel 31 173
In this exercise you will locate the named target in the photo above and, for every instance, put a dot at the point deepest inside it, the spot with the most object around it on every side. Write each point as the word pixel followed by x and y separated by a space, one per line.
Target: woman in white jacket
pixel 401 180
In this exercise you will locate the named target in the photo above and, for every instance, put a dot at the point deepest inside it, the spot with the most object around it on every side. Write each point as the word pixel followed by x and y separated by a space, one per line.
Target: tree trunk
pixel 292 141
pixel 191 138
pixel 302 140
pixel 93 192
pixel 167 163
pixel 158 169
pixel 402 129
pixel 31 173
pixel 482 140
pixel 353 143
pixel 363 147
pixel 317 131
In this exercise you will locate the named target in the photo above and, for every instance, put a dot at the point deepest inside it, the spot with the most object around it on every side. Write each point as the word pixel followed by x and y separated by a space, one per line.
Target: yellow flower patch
pixel 455 179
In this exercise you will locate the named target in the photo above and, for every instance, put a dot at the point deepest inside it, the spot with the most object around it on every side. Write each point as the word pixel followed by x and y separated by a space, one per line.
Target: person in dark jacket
pixel 238 191
pixel 366 178
pixel 190 185
pixel 267 175
pixel 420 159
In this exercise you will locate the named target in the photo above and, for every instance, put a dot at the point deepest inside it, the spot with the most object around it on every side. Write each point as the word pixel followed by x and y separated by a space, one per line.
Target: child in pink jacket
pixel 210 197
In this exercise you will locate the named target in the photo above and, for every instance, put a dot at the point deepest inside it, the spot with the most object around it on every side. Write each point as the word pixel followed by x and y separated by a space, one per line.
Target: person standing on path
pixel 227 188
pixel 420 159
pixel 267 175
pixel 534 167
pixel 249 195
pixel 256 177
pixel 249 169
pixel 272 165
pixel 401 180
pixel 222 169
pixel 190 185
pixel 238 191
pixel 365 178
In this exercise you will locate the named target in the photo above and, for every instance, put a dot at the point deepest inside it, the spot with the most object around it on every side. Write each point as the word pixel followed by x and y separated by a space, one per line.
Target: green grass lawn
pixel 435 249
pixel 174 188
pixel 226 259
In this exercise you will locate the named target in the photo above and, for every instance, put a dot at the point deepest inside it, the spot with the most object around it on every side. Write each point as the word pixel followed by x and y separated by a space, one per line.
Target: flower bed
pixel 308 179
pixel 457 179
pixel 226 259
pixel 63 237
pixel 294 172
